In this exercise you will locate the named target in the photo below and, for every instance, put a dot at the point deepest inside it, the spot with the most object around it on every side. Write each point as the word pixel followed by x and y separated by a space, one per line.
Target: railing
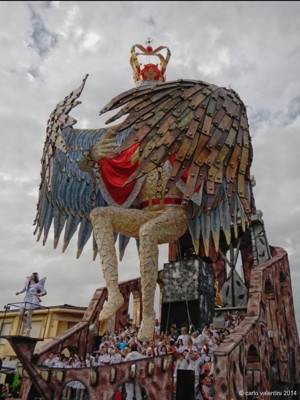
pixel 18 305
pixel 153 374
pixel 79 337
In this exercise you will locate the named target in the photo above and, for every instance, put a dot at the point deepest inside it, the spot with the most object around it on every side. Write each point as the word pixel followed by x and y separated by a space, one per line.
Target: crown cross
pixel 148 41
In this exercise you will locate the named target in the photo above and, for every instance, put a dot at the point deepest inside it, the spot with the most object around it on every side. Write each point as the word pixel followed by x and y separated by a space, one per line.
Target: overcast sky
pixel 46 50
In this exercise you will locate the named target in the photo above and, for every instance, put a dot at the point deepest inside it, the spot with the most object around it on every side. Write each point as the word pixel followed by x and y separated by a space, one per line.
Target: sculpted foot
pixel 147 329
pixel 115 301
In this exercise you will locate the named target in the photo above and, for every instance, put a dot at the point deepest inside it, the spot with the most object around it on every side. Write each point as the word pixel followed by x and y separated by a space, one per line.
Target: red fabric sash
pixel 116 171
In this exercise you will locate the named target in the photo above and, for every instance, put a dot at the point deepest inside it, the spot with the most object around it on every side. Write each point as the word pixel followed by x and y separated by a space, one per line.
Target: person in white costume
pixel 133 389
pixel 116 356
pixel 184 335
pixel 77 385
pixel 50 361
pixel 34 288
pixel 195 364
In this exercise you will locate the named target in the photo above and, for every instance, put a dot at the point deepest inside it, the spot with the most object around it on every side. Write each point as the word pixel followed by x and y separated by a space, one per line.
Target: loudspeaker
pixel 185 384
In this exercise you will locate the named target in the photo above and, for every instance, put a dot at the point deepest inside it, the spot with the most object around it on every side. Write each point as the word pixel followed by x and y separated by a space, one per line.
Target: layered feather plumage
pixel 205 128
pixel 202 127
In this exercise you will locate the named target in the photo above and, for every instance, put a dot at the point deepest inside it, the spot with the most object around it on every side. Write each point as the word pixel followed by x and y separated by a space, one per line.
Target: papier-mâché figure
pixel 179 160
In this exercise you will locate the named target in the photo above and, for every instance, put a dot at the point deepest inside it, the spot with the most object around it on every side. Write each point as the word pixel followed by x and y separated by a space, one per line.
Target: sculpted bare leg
pixel 104 237
pixel 106 221
pixel 153 228
pixel 168 226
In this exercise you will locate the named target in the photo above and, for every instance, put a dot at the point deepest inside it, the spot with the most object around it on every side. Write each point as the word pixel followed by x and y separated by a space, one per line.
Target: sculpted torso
pixel 154 186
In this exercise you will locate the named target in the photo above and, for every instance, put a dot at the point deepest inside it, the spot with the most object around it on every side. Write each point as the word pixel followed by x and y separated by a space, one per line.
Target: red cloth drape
pixel 116 171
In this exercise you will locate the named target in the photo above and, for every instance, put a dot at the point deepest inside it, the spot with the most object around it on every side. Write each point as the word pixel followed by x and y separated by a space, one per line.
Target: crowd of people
pixel 193 349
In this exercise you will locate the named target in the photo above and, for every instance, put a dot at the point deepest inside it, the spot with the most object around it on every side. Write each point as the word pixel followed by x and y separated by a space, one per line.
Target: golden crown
pixel 149 72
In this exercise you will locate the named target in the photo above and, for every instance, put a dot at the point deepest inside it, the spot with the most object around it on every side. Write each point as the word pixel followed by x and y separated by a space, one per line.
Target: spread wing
pixel 67 194
pixel 203 129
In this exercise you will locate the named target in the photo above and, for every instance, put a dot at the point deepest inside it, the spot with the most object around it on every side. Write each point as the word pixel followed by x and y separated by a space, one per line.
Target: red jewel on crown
pixel 151 72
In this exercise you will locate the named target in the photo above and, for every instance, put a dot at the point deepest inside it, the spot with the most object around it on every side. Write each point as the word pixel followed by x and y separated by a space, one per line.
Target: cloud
pixel 42 41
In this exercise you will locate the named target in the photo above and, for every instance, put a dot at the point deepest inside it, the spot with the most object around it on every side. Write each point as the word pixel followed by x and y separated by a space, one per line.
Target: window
pixel 5 330
pixel 36 329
